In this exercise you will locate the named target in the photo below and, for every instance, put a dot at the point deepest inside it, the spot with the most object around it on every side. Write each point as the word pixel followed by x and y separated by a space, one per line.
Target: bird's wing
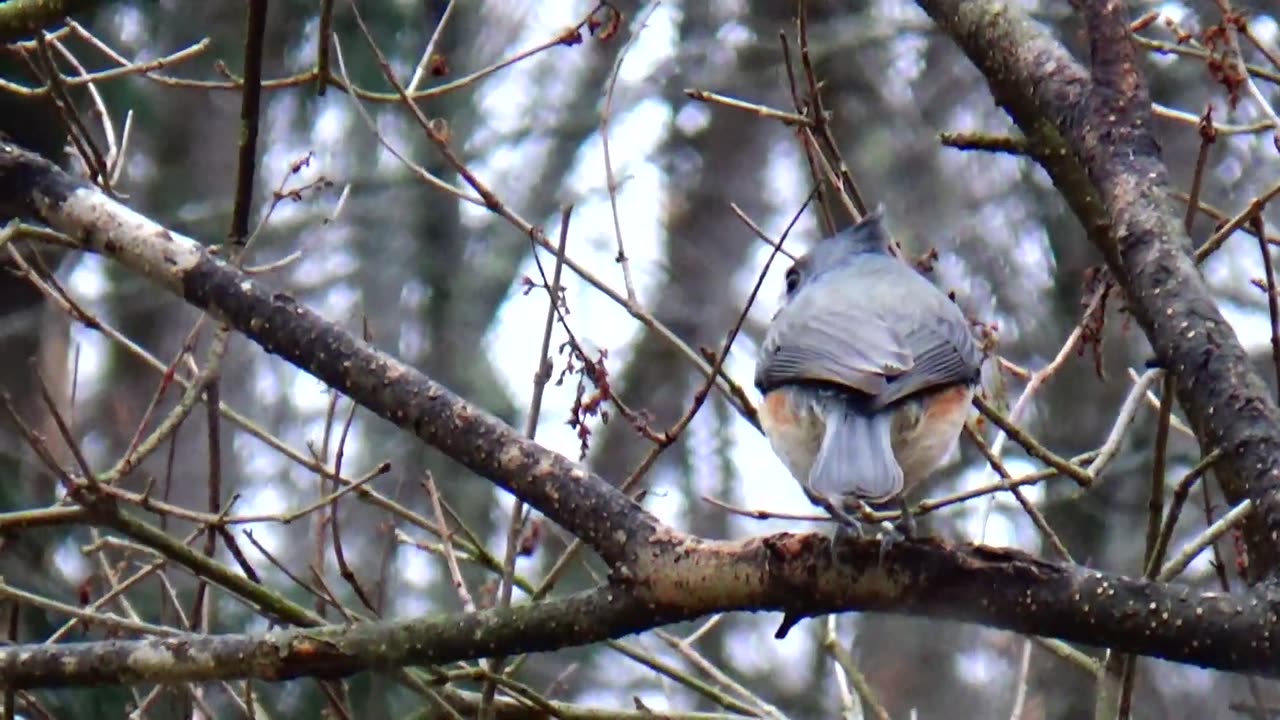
pixel 847 345
pixel 895 336
pixel 944 353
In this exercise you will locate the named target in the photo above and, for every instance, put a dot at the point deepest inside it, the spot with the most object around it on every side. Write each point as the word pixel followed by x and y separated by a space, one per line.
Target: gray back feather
pixel 861 319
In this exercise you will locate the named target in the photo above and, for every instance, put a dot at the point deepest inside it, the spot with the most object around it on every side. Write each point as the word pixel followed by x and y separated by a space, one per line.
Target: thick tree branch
pixel 1105 122
pixel 790 573
pixel 660 576
pixel 607 520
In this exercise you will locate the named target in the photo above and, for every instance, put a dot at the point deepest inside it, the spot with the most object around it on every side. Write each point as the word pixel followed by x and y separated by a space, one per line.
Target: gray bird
pixel 867 371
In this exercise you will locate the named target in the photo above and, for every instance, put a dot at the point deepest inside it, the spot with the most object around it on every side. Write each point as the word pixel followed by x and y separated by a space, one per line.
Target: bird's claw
pixel 834 510
pixel 849 527
pixel 891 535
pixel 906 524
pixel 850 516
pixel 903 529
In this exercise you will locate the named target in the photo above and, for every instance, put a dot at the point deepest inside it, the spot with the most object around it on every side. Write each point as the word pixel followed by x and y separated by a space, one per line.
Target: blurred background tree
pixel 444 285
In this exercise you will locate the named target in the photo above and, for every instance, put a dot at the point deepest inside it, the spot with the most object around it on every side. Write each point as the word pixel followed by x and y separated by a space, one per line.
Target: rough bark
pixel 790 573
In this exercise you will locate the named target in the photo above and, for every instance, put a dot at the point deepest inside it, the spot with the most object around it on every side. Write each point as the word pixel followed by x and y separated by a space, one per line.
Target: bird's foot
pixel 903 529
pixel 835 510
pixel 852 515
pixel 906 524
pixel 847 527
pixel 891 535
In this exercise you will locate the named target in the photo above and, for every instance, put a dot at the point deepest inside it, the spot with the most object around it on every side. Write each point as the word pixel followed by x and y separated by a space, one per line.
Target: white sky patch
pixel 89 351
pixel 88 278
pixel 652 46
pixel 1253 327
pixel 692 118
pixel 734 35
pixel 418 568
pixel 1264 28
pixel 982 665
pixel 667 499
pixel 997 528
pixel 72 563
pixel 756 650
pixel 1235 261
pixel 334 120
pixel 257 463
pixel 1008 524
pixel 264 498
pixel 308 395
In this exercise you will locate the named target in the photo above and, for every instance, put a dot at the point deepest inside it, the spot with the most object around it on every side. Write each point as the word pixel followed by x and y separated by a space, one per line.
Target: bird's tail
pixel 856 457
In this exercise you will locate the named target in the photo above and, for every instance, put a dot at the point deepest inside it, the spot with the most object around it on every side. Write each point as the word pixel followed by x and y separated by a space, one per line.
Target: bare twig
pixel 541 375
pixel 1273 304
pixel 1180 493
pixel 1254 207
pixel 428 57
pixel 1180 561
pixel 1036 517
pixel 611 182
pixel 1229 17
pixel 845 666
pixel 446 536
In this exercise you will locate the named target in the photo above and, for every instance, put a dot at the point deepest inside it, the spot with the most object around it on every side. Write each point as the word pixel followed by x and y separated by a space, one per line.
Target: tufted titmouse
pixel 867 372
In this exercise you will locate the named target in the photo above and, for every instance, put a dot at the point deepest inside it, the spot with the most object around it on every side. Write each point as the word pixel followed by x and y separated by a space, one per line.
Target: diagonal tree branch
pixel 604 518
pixel 1105 123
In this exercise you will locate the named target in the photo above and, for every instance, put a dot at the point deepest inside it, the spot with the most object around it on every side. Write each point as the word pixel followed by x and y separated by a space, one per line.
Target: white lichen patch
pixel 150 657
pixel 511 455
pixel 115 230
pixel 546 466
pixel 396 371
pixel 156 659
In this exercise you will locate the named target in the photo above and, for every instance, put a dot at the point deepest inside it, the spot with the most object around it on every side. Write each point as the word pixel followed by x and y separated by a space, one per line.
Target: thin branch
pixel 1180 561
pixel 845 666
pixel 451 558
pixel 1273 303
pixel 250 109
pixel 541 376
pixel 611 182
